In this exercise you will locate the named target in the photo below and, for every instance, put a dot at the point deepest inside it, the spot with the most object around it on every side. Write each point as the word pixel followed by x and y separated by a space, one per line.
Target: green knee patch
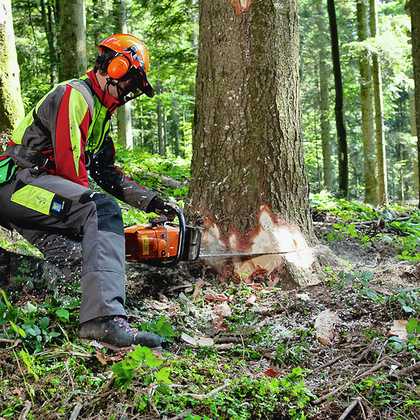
pixel 41 200
pixel 7 170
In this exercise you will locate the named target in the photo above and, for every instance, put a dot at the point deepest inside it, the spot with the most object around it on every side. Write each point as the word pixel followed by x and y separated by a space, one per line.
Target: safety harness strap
pixel 30 155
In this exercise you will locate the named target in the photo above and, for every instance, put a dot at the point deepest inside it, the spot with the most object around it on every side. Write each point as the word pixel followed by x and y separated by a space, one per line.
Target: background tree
pixel 72 39
pixel 248 181
pixel 125 135
pixel 366 95
pixel 415 35
pixel 11 107
pixel 339 116
pixel 324 73
pixel 379 121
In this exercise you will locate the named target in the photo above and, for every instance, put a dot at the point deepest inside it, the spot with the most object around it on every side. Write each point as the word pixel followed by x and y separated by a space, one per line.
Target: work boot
pixel 117 332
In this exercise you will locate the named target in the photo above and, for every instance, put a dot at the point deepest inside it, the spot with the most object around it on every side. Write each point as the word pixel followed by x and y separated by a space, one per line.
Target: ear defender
pixel 118 67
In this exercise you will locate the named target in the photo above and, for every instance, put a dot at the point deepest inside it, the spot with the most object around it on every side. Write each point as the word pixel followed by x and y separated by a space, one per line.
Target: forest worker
pixel 45 194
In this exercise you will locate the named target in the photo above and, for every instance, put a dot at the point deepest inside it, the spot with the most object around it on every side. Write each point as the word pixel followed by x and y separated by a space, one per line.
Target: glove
pixel 163 208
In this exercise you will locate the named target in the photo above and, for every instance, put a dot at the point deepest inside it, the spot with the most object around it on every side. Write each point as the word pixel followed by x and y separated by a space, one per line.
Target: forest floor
pixel 336 350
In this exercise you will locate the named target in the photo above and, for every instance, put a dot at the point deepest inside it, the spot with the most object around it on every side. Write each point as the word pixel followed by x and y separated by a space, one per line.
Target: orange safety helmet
pixel 131 58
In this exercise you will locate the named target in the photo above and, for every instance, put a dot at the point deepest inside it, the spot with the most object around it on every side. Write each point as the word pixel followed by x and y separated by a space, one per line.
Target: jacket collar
pixel 106 99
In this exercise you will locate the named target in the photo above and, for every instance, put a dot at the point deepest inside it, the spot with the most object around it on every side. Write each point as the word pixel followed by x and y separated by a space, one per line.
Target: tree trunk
pixel 366 97
pixel 49 27
pixel 73 39
pixel 343 168
pixel 160 122
pixel 124 128
pixel 324 73
pixel 415 35
pixel 175 127
pixel 248 182
pixel 379 120
pixel 11 106
pixel 414 134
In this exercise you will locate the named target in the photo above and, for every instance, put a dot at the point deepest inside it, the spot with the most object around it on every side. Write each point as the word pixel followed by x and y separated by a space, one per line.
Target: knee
pixel 108 212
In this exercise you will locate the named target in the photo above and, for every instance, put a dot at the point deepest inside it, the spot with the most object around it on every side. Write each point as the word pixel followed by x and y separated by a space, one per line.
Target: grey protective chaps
pixel 56 215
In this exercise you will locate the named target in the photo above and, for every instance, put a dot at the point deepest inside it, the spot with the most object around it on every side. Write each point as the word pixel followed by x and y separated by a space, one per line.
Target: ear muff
pixel 118 67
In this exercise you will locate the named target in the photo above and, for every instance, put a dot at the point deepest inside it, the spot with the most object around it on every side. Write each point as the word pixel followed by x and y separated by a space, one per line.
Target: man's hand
pixel 163 208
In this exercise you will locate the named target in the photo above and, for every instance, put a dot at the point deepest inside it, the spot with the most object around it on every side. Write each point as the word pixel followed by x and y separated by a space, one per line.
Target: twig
pixel 408 370
pixel 331 362
pixel 150 394
pixel 26 410
pixel 209 395
pixel 180 415
pixel 76 411
pixel 351 382
pixel 362 408
pixel 350 408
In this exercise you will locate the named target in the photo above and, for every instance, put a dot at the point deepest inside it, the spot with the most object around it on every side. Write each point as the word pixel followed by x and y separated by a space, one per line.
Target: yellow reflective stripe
pixel 77 111
pixel 34 198
pixel 98 128
pixel 21 128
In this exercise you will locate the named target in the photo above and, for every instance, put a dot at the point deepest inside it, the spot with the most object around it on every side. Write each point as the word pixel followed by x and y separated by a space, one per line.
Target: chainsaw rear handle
pixel 181 243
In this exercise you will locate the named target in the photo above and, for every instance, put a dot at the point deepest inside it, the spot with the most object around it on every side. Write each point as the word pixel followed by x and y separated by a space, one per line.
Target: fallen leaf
pixel 160 306
pixel 224 346
pixel 222 309
pixel 255 286
pixel 399 329
pixel 324 326
pixel 210 295
pixel 272 372
pixel 381 290
pixel 162 298
pixel 197 288
pixel 252 299
pixel 188 339
pixel 260 324
pixel 219 326
pixel 204 341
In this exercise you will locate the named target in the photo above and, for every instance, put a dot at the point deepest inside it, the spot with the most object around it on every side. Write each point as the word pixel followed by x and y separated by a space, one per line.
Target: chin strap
pixel 123 95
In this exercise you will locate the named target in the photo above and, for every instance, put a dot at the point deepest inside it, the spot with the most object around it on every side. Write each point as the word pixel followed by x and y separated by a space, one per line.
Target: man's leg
pixel 42 202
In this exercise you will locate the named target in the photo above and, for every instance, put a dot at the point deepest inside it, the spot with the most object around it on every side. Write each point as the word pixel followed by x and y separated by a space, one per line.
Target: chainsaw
pixel 164 244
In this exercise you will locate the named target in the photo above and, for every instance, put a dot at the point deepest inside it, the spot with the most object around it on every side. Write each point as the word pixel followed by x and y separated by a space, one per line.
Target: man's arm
pixel 107 176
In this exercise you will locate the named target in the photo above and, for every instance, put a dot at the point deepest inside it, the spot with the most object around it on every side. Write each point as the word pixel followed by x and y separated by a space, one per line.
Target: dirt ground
pixel 332 330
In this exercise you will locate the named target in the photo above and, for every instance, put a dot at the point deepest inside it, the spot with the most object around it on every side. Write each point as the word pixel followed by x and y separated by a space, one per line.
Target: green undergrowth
pixel 260 354
pixel 261 363
pixel 394 225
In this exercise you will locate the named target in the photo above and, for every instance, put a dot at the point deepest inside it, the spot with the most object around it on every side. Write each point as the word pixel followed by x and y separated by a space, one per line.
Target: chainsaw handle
pixel 181 243
pixel 181 238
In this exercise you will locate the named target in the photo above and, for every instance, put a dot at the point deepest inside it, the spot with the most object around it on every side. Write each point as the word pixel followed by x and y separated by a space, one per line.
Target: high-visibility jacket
pixel 69 127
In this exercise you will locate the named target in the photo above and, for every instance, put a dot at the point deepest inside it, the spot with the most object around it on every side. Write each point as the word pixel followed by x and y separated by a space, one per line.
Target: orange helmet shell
pixel 119 43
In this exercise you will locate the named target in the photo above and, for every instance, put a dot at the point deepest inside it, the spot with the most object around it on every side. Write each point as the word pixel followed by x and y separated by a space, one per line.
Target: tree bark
pixel 343 168
pixel 124 127
pixel 415 35
pixel 414 134
pixel 73 39
pixel 248 182
pixel 49 27
pixel 11 106
pixel 160 118
pixel 324 72
pixel 379 120
pixel 366 97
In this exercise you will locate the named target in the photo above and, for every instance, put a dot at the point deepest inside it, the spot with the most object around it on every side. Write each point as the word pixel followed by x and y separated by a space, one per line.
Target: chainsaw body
pixel 161 243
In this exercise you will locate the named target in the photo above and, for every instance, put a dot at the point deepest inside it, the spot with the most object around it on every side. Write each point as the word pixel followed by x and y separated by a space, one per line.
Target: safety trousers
pixel 41 206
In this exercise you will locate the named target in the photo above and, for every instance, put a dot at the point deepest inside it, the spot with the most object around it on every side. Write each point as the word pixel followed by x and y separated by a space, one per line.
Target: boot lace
pixel 123 323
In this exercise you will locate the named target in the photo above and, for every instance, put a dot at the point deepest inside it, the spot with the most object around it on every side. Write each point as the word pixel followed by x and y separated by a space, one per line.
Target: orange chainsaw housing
pixel 144 242
pixel 162 243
